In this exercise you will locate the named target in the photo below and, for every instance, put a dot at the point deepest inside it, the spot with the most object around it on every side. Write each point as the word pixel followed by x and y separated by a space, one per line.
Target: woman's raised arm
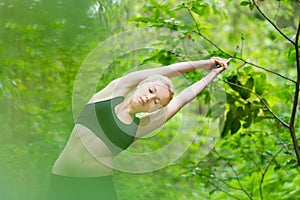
pixel 122 86
pixel 131 80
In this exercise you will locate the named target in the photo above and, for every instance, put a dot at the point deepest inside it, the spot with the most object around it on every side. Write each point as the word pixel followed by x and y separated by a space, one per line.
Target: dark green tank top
pixel 100 117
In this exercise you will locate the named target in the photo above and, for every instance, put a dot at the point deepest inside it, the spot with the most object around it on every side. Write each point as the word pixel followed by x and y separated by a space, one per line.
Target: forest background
pixel 255 153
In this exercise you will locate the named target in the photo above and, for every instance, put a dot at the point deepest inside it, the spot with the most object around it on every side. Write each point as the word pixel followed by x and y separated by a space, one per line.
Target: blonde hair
pixel 160 79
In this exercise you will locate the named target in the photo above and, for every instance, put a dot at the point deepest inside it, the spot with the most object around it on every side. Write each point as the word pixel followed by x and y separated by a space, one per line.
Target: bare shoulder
pixel 113 89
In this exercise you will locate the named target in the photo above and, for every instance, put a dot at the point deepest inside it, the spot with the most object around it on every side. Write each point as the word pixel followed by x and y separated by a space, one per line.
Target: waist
pixel 72 167
pixel 79 160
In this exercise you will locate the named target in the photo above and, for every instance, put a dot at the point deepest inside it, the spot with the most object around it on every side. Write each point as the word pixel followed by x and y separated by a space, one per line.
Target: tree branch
pixel 265 171
pixel 296 98
pixel 272 23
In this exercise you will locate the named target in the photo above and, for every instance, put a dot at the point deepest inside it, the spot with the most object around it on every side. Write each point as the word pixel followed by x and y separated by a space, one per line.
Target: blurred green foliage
pixel 43 44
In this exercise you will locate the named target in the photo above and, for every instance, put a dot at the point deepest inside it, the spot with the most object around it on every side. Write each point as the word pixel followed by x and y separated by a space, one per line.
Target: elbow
pixel 114 83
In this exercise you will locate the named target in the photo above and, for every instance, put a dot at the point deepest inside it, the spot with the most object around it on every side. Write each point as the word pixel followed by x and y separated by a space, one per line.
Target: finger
pixel 226 66
pixel 228 60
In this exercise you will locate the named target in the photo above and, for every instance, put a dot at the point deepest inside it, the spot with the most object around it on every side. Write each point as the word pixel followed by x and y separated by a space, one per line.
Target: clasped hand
pixel 221 64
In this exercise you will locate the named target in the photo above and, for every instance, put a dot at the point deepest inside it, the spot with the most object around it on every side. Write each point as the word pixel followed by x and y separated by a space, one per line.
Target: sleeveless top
pixel 100 117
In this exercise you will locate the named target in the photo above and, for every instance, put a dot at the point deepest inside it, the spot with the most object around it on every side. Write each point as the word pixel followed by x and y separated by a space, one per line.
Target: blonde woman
pixel 108 125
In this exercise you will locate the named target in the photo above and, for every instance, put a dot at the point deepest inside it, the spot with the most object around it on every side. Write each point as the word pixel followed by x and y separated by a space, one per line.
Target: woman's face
pixel 151 96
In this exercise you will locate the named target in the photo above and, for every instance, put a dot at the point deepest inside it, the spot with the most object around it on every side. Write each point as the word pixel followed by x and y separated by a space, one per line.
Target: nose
pixel 150 96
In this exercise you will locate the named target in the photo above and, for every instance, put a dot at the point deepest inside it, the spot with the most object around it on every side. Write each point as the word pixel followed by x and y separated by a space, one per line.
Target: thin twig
pixel 272 23
pixel 236 175
pixel 227 184
pixel 220 189
pixel 265 171
pixel 250 157
pixel 277 133
pixel 203 36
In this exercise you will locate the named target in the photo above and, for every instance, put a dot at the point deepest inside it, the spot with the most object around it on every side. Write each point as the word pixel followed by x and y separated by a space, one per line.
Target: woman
pixel 108 125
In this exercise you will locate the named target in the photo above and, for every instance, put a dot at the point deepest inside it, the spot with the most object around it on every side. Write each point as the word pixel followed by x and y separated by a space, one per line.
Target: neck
pixel 125 108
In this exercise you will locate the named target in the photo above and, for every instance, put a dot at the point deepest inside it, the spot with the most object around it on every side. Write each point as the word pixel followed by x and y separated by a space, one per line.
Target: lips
pixel 142 101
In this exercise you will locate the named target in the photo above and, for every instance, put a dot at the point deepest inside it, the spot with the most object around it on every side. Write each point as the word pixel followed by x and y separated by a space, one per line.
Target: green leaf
pixel 196 10
pixel 200 8
pixel 227 126
pixel 258 119
pixel 181 6
pixel 248 121
pixel 292 56
pixel 207 98
pixel 255 109
pixel 230 98
pixel 248 108
pixel 245 94
pixel 245 3
pixel 248 69
pixel 234 82
pixel 250 83
pixel 240 112
pixel 235 126
pixel 260 83
pixel 142 19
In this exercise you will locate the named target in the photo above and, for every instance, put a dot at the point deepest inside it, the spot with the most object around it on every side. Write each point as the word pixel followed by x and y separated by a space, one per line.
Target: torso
pixel 75 160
